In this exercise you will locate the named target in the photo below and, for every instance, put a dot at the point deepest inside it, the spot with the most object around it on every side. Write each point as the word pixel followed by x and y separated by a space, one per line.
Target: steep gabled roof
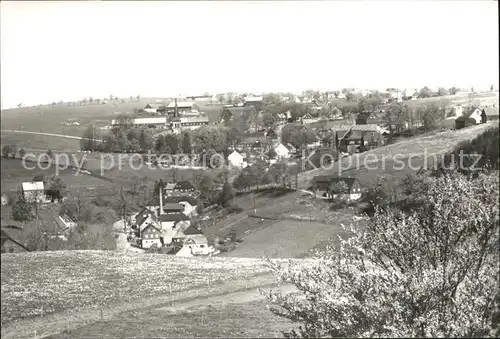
pixel 143 215
pixel 173 206
pixel 192 230
pixel 173 217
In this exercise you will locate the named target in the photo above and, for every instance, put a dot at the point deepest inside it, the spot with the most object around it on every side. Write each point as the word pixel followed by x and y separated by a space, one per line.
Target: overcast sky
pixel 67 50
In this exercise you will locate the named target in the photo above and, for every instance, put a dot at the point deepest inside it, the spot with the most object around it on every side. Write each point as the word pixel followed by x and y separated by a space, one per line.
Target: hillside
pixel 51 291
pixel 296 236
pixel 52 119
pixel 397 160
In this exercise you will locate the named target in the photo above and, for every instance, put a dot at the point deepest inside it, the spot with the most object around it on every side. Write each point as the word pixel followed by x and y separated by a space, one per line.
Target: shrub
pixel 431 272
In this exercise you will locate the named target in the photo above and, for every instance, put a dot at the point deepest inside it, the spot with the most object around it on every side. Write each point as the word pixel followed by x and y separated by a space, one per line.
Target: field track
pixel 44 134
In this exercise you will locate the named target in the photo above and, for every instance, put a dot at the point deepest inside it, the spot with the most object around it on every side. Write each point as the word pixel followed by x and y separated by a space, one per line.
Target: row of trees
pixel 11 151
pixel 88 101
pixel 126 137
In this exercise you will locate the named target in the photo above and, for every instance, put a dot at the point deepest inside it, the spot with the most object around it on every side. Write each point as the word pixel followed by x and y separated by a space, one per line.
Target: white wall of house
pixel 147 243
pixel 282 151
pixel 188 250
pixel 235 159
pixel 476 115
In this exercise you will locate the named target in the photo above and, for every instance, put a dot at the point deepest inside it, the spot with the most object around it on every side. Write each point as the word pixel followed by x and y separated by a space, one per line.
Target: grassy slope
pixel 229 320
pixel 81 293
pixel 47 282
pixel 50 119
pixel 296 238
pixel 419 147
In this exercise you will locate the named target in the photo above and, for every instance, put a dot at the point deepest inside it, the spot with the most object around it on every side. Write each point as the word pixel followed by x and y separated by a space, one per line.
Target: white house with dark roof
pixel 151 108
pixel 188 123
pixel 184 108
pixel 180 188
pixel 322 185
pixel 34 191
pixel 188 202
pixel 150 235
pixel 173 208
pixel 194 242
pixel 145 218
pixel 282 151
pixel 169 221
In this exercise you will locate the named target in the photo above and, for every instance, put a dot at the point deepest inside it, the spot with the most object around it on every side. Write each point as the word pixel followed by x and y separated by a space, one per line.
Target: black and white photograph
pixel 245 169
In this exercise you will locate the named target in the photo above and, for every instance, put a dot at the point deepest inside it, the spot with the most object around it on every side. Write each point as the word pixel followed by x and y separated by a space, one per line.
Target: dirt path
pixel 235 291
pixel 45 134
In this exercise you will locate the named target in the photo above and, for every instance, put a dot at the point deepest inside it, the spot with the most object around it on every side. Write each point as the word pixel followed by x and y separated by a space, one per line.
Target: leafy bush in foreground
pixel 431 272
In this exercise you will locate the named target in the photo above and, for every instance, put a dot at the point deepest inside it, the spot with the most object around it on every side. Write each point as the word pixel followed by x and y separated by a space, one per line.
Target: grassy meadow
pixel 80 293
pixel 52 119
pixel 49 282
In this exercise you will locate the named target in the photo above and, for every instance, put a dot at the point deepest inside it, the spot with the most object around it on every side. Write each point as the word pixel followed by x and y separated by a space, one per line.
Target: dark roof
pixel 465 118
pixel 177 199
pixel 4 237
pixel 256 140
pixel 143 215
pixel 150 225
pixel 254 134
pixel 173 206
pixel 192 230
pixel 353 135
pixel 491 111
pixel 184 185
pixel 173 217
pixel 324 181
pixel 341 133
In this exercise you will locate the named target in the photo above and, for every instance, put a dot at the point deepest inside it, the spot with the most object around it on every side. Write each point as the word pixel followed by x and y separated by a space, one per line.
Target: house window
pixel 202 246
pixel 11 250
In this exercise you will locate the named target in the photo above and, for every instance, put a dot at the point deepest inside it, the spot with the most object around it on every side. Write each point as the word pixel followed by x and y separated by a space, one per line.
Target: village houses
pixel 323 186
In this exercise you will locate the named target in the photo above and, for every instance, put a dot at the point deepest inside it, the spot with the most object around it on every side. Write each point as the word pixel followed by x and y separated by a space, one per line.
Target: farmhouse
pixel 491 113
pixel 152 108
pixel 282 151
pixel 183 108
pixel 253 101
pixel 170 221
pixel 160 122
pixel 9 245
pixel 145 218
pixel 308 118
pixel 327 186
pixel 34 191
pixel 194 242
pixel 67 221
pixel 188 123
pixel 236 160
pixel 473 117
pixel 150 235
pixel 335 113
pixel 179 188
pixel 189 203
pixel 255 141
